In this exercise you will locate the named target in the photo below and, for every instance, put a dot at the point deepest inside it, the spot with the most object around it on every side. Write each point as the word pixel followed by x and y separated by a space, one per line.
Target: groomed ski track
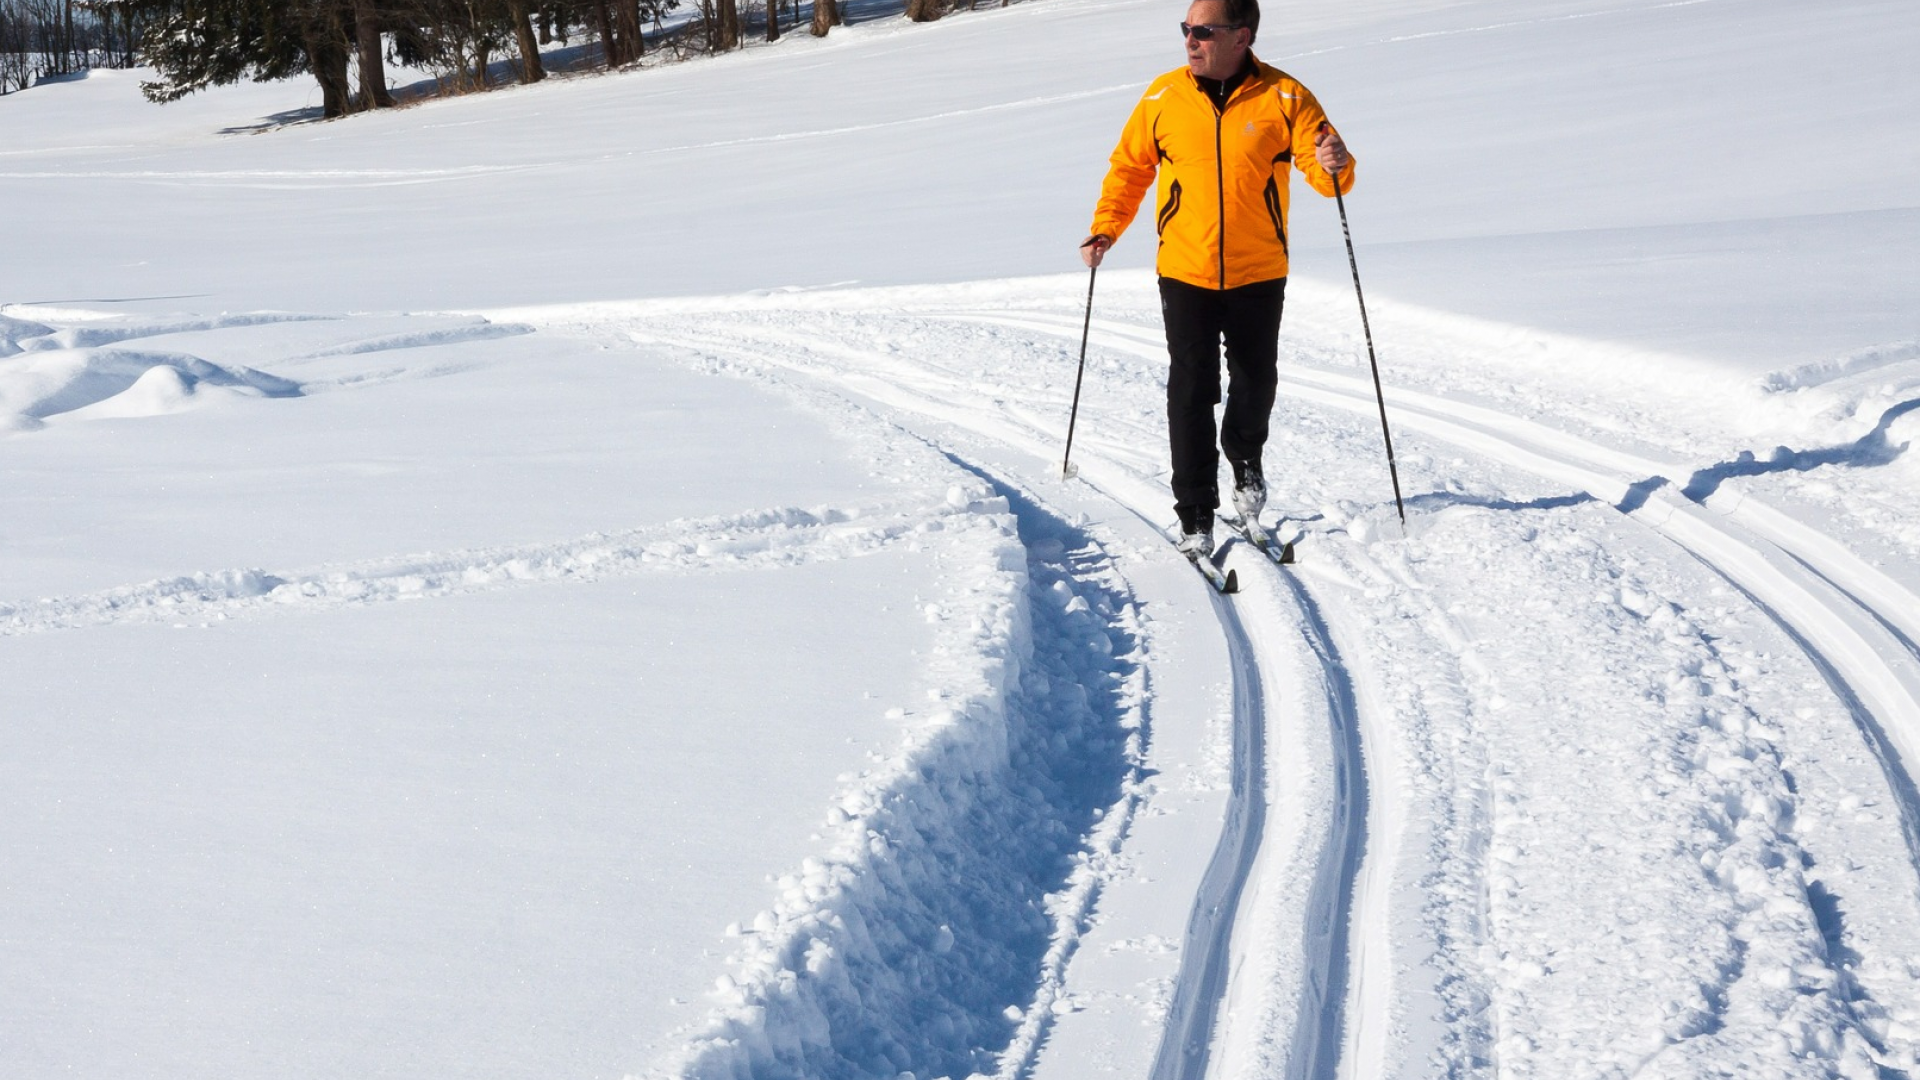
pixel 1274 634
pixel 1855 622
pixel 1296 961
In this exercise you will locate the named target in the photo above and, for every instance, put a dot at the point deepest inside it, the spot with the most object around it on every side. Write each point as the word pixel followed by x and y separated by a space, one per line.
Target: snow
pixel 577 581
pixel 278 869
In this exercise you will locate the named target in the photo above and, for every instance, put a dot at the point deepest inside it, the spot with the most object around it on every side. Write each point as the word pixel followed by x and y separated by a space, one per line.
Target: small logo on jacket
pixel 1249 128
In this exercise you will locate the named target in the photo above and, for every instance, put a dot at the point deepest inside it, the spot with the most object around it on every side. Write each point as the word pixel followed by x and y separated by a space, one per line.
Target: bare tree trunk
pixel 373 67
pixel 627 14
pixel 924 10
pixel 482 56
pixel 773 20
pixel 328 59
pixel 729 38
pixel 603 22
pixel 531 69
pixel 826 16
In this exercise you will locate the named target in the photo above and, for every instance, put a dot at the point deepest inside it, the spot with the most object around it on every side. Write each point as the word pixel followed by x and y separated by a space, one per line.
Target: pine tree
pixel 194 44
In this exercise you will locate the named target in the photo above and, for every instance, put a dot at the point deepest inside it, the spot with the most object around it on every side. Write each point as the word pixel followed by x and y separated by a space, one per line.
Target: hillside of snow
pixel 576 580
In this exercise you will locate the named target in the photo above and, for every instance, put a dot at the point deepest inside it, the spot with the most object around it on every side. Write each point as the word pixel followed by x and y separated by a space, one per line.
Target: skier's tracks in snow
pixel 1187 1040
pixel 783 536
pixel 1857 625
pixel 1319 1038
pixel 1326 850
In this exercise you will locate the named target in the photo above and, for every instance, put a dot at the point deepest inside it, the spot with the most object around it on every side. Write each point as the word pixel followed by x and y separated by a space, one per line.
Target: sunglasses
pixel 1205 31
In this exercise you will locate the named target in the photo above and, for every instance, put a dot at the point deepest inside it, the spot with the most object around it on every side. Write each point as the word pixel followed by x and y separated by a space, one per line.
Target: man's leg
pixel 1251 322
pixel 1194 321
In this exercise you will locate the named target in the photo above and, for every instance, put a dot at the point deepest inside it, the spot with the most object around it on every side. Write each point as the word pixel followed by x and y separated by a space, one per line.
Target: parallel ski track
pixel 1190 1035
pixel 1318 1048
pixel 1857 625
pixel 1186 1046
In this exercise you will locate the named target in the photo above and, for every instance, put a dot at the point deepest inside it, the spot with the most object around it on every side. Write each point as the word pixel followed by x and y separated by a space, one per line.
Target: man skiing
pixel 1223 134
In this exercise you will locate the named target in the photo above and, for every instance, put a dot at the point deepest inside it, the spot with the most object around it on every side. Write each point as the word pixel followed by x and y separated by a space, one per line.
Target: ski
pixel 1223 581
pixel 1281 552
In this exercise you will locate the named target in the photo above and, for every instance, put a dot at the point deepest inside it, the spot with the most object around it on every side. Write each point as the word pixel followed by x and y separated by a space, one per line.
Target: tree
pixel 194 44
pixel 371 49
pixel 826 16
pixel 925 10
pixel 531 68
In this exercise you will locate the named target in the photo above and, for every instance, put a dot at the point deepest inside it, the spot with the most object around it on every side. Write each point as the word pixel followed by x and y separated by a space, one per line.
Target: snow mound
pixel 105 383
pixel 159 391
pixel 14 331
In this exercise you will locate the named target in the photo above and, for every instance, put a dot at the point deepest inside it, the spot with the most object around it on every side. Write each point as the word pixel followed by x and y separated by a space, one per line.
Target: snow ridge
pixel 936 929
pixel 774 537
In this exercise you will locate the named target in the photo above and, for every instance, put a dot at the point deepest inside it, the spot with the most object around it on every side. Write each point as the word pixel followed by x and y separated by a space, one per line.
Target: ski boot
pixel 1249 489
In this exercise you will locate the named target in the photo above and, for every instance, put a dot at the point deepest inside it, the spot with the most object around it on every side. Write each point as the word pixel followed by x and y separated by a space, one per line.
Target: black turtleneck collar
pixel 1222 89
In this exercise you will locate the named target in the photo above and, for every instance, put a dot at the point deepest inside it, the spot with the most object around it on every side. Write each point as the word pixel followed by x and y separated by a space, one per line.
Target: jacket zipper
pixel 1220 175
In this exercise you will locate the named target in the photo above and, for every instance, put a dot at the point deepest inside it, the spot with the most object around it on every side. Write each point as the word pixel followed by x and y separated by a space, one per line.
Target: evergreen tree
pixel 194 44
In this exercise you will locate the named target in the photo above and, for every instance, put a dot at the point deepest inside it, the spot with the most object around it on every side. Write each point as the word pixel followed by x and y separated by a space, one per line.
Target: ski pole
pixel 1379 395
pixel 1067 470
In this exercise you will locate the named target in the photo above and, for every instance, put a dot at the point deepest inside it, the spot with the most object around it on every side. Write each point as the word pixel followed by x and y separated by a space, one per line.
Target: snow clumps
pixel 932 933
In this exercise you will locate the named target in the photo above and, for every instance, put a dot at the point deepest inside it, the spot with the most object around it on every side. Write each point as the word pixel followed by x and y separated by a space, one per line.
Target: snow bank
pixel 932 933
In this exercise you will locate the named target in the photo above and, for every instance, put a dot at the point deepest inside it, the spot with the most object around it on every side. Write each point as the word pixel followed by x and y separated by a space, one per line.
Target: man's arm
pixel 1318 151
pixel 1130 172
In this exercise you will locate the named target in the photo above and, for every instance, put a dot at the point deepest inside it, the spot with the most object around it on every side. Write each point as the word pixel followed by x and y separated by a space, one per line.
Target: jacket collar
pixel 1257 74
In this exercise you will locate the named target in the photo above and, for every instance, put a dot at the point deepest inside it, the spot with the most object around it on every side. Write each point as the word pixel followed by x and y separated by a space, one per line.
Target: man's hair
pixel 1245 13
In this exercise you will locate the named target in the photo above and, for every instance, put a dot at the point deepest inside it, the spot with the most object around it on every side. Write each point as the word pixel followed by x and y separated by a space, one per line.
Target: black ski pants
pixel 1198 319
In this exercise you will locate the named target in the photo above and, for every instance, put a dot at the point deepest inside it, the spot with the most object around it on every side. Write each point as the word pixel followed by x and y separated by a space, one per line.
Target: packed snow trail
pixel 1187 1044
pixel 1857 623
pixel 1319 1043
pixel 1327 839
pixel 1413 961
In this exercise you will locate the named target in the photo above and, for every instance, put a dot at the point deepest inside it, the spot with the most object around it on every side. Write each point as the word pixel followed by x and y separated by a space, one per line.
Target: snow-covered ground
pixel 575 581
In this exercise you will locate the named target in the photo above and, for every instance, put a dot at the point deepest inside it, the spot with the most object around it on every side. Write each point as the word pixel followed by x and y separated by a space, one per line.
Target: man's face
pixel 1221 57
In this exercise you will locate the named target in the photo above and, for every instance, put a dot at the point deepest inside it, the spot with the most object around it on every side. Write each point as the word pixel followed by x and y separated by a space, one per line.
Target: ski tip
pixel 1286 554
pixel 1233 582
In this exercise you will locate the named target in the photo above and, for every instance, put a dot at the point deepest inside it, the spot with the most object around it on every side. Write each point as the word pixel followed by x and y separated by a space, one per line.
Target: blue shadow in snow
pixel 1440 500
pixel 959 930
pixel 1873 449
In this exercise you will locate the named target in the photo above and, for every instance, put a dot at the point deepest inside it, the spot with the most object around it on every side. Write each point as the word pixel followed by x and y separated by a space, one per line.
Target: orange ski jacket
pixel 1223 175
